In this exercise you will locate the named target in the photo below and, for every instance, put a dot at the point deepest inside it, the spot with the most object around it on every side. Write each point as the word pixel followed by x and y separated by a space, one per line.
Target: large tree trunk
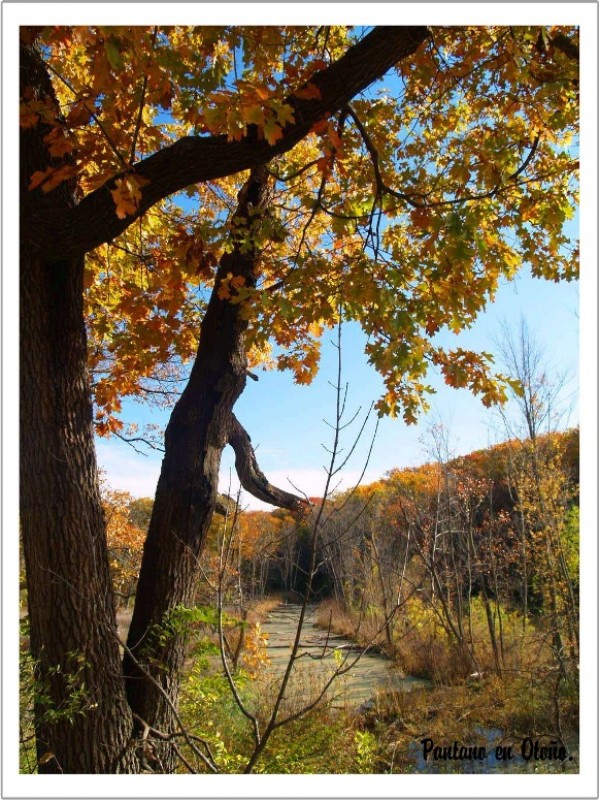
pixel 185 498
pixel 201 425
pixel 71 609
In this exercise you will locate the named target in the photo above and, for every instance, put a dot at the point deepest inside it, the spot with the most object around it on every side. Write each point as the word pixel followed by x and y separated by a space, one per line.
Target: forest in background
pixel 463 571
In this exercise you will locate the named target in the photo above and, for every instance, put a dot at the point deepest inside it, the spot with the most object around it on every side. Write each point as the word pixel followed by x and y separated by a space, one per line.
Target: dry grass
pixel 331 616
pixel 422 647
pixel 365 629
pixel 515 709
pixel 527 698
pixel 260 609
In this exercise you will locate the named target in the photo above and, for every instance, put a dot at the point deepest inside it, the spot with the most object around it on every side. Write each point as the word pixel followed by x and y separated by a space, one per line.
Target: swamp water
pixel 321 653
pixel 371 673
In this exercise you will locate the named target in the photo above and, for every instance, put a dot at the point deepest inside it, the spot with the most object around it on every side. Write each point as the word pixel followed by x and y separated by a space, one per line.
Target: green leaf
pixel 113 53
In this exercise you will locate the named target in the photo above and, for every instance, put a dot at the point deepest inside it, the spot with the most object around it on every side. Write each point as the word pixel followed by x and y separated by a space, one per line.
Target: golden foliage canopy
pixel 402 210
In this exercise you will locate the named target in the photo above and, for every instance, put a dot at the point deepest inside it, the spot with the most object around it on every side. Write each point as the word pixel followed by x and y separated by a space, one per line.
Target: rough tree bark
pixel 70 600
pixel 71 608
pixel 200 426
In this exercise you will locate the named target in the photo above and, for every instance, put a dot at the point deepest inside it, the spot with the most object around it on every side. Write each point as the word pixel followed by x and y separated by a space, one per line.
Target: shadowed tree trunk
pixel 201 425
pixel 71 608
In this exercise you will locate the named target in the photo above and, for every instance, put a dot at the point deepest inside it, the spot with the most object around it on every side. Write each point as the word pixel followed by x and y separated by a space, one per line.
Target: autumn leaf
pixel 309 92
pixel 58 144
pixel 79 115
pixel 272 131
pixel 253 115
pixel 320 127
pixel 51 177
pixel 421 217
pixel 27 117
pixel 127 194
pixel 456 224
pixel 39 177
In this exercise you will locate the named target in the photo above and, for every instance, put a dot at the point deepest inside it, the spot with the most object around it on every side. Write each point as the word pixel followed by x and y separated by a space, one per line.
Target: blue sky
pixel 286 423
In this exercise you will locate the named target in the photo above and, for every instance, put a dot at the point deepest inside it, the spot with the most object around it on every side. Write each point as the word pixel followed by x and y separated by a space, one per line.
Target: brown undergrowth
pixel 531 697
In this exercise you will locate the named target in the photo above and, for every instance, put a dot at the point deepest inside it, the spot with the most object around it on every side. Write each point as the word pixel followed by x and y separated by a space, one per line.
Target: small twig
pixel 94 116
pixel 528 158
pixel 132 439
pixel 141 104
pixel 205 760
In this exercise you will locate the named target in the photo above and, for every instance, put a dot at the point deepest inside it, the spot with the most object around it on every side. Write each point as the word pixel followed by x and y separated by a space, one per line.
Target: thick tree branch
pixel 194 159
pixel 568 46
pixel 251 476
pixel 381 186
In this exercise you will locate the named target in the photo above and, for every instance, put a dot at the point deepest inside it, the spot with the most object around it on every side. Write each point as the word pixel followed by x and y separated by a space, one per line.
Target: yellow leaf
pixel 127 194
pixel 272 131
pixel 122 199
pixel 253 115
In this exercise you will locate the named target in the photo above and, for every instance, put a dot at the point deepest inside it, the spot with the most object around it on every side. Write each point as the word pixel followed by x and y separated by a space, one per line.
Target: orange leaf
pixel 309 92
pixel 39 177
pixel 51 177
pixel 262 92
pixel 321 126
pixel 58 143
pixel 28 118
pixel 78 115
pixel 318 64
pixel 421 217
pixel 272 131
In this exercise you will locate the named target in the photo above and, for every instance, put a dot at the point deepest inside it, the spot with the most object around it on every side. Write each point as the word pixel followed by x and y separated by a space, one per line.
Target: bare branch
pixel 130 440
pixel 209 763
pixel 527 160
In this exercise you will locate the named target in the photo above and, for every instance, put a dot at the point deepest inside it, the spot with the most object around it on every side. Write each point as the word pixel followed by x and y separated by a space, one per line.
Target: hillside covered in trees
pixel 478 511
pixel 462 572
pixel 494 533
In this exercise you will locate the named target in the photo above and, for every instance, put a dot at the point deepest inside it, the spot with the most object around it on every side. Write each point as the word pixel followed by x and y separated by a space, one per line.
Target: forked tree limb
pixel 251 476
pixel 194 159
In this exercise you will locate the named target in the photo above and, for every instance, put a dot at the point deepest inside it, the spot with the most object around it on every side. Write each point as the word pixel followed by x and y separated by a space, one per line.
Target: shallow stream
pixel 321 653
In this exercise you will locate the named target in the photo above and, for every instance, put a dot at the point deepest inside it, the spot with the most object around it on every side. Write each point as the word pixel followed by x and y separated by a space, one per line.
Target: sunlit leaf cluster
pixel 403 212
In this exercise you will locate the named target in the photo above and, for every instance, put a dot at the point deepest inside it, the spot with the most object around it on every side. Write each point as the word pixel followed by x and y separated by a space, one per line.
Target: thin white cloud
pixel 128 471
